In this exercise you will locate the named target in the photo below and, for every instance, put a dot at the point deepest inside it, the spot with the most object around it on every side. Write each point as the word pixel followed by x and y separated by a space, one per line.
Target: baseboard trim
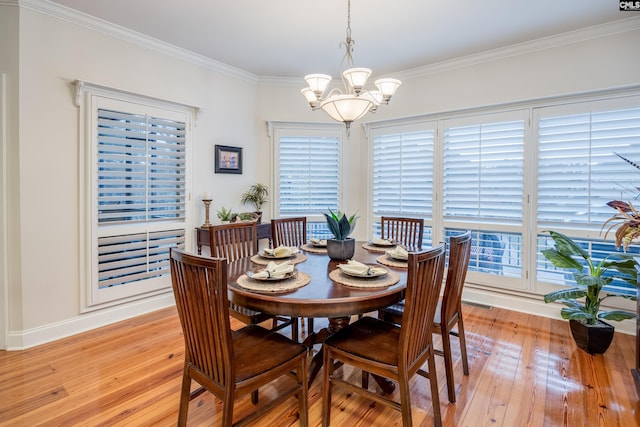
pixel 21 340
pixel 529 304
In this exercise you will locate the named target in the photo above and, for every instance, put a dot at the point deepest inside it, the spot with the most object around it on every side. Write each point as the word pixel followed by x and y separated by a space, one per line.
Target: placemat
pixel 313 249
pixel 299 280
pixel 390 262
pixel 264 261
pixel 391 278
pixel 373 248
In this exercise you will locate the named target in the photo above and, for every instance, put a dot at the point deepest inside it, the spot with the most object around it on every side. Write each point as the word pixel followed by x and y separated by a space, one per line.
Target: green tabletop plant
pixel 341 247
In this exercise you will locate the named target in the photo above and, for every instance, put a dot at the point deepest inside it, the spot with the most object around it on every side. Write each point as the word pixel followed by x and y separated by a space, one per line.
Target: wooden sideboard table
pixel 202 235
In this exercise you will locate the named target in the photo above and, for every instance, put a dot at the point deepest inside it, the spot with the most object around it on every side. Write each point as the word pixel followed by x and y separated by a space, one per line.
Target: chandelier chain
pixel 348 44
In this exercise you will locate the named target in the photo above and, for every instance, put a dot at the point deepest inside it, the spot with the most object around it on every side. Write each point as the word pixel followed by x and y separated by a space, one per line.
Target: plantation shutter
pixel 309 177
pixel 578 170
pixel 403 173
pixel 484 171
pixel 138 167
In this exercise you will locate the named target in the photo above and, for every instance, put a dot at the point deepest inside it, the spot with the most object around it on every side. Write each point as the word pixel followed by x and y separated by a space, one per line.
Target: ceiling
pixel 291 38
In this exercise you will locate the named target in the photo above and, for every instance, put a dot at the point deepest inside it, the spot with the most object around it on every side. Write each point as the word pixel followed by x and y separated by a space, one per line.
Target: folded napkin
pixel 360 269
pixel 379 241
pixel 274 271
pixel 319 242
pixel 281 251
pixel 398 252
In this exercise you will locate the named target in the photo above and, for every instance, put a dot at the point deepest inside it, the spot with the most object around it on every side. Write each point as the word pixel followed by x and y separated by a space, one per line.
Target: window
pixel 308 173
pixel 483 186
pixel 578 173
pixel 510 174
pixel 136 161
pixel 403 174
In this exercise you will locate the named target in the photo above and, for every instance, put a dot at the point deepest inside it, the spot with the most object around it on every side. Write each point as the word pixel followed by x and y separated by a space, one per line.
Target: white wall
pixel 8 94
pixel 44 286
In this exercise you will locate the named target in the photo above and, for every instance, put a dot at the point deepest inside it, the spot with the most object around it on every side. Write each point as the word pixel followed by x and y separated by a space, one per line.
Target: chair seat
pixel 255 347
pixel 366 334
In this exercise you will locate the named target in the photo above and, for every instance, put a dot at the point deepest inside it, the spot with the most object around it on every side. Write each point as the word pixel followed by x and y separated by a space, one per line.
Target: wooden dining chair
pixel 449 310
pixel 407 231
pixel 227 363
pixel 396 352
pixel 290 232
pixel 239 240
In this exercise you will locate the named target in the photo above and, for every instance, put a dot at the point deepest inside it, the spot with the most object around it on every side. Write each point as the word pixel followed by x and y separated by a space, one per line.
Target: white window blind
pixel 483 188
pixel 309 177
pixel 403 173
pixel 141 168
pixel 578 172
pixel 484 170
pixel 137 196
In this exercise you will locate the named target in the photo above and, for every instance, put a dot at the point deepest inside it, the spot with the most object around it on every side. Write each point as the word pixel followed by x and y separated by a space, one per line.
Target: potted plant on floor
pixel 341 247
pixel 256 195
pixel 589 331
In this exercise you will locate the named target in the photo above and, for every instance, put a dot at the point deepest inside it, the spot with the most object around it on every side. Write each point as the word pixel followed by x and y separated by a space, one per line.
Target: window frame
pixel 89 98
pixel 284 129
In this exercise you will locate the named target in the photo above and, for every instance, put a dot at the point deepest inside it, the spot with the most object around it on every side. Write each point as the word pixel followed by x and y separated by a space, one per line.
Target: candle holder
pixel 207 204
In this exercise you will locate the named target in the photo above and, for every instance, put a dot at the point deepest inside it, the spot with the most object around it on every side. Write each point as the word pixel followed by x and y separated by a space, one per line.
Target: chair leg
pixel 227 411
pixel 184 399
pixel 310 326
pixel 365 380
pixel 294 329
pixel 435 397
pixel 303 395
pixel 405 401
pixel 448 363
pixel 463 346
pixel 326 388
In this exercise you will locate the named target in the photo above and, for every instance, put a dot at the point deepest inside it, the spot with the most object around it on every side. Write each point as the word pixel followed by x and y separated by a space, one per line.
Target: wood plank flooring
pixel 524 371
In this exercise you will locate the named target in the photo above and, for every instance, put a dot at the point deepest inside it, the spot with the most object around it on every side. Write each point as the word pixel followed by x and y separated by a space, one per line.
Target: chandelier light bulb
pixel 357 78
pixel 318 83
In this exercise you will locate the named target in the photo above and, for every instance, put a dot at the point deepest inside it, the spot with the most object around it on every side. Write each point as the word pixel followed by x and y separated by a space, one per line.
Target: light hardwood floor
pixel 525 371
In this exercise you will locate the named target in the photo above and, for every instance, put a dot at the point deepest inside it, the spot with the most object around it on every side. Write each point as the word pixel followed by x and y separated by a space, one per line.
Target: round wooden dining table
pixel 321 297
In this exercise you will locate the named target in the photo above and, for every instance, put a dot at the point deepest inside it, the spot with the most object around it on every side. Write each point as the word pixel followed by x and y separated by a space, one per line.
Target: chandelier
pixel 354 102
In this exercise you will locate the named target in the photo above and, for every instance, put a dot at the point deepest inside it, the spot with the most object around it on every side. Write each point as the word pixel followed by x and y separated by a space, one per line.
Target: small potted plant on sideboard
pixel 256 196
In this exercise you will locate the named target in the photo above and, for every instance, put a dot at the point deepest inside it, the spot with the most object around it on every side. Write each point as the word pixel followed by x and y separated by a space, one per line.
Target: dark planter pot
pixel 594 339
pixel 341 250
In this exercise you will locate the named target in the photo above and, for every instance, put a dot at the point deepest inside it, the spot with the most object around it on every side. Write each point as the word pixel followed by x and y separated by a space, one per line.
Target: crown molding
pixel 550 42
pixel 90 22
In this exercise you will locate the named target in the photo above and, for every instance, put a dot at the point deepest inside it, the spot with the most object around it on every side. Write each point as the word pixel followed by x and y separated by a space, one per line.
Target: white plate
pixel 318 244
pixel 380 243
pixel 271 279
pixel 365 275
pixel 269 256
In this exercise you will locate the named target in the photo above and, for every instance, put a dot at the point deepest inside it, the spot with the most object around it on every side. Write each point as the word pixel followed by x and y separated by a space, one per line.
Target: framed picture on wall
pixel 228 159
